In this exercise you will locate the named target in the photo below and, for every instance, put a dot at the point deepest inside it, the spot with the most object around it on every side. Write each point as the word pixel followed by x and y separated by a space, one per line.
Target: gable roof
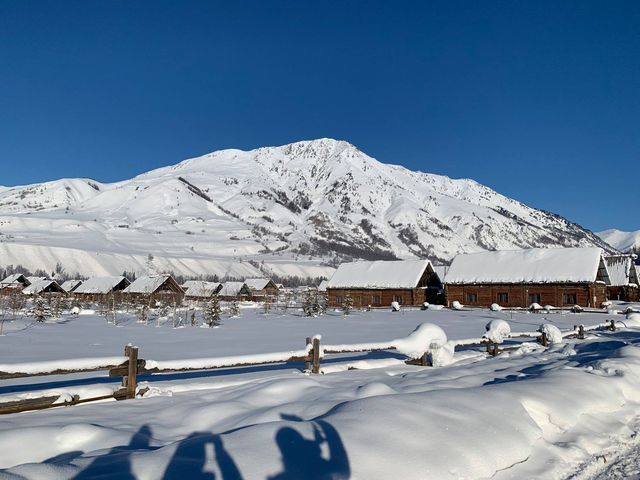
pixel 101 285
pixel 257 284
pixel 380 274
pixel 233 289
pixel 39 286
pixel 323 286
pixel 622 270
pixel 201 289
pixel 15 280
pixel 71 285
pixel 152 283
pixel 535 265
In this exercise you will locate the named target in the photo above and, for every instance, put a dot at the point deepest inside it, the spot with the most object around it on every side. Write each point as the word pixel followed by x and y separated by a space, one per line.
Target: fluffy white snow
pixel 554 335
pixel 498 331
pixel 100 285
pixel 536 265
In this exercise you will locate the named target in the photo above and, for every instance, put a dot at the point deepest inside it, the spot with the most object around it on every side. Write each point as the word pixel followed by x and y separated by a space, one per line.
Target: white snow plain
pixel 530 412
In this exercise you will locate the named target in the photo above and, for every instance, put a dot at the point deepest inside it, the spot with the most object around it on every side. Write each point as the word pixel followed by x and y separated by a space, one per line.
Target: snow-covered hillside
pixel 623 241
pixel 291 210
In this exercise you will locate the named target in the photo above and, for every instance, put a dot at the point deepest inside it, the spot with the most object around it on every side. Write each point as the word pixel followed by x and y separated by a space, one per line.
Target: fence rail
pixel 129 366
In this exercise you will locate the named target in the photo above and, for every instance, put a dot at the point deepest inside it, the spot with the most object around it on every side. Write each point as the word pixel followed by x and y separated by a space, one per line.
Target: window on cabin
pixel 569 298
pixel 376 300
pixel 472 297
pixel 503 297
pixel 397 298
pixel 534 298
pixel 339 299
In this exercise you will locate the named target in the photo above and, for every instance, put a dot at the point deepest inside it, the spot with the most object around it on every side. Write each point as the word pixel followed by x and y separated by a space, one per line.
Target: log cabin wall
pixel 625 293
pixel 376 298
pixel 523 295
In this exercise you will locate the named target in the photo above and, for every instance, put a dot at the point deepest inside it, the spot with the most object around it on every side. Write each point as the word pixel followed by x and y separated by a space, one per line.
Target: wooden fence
pixel 131 366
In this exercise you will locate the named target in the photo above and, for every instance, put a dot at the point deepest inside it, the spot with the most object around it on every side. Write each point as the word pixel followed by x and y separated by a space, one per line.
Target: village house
pixel 261 288
pixel 98 288
pixel 43 286
pixel 156 288
pixel 379 283
pixel 623 274
pixel 560 277
pixel 234 291
pixel 16 282
pixel 201 290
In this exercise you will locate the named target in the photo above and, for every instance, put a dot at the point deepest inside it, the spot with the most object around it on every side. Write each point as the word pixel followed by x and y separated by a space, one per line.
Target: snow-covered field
pixel 528 413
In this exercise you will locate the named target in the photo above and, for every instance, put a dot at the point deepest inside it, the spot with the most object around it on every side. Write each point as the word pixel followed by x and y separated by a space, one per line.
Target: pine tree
pixel 212 312
pixel 39 310
pixel 234 309
pixel 347 304
pixel 310 305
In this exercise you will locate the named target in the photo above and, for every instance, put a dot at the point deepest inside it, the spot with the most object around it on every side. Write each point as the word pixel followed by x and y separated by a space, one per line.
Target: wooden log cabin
pixel 200 289
pixel 234 291
pixel 623 274
pixel 261 288
pixel 379 283
pixel 560 277
pixel 155 288
pixel 14 283
pixel 97 288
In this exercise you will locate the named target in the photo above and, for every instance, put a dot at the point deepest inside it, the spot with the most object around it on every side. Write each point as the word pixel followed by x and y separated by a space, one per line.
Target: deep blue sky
pixel 538 100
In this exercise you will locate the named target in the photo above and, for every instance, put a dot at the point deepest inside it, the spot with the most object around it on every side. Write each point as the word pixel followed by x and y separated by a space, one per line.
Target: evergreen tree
pixel 39 309
pixel 347 304
pixel 234 309
pixel 310 305
pixel 212 312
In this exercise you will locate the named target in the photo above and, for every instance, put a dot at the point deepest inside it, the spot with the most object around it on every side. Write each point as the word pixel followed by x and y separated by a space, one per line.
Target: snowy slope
pixel 623 241
pixel 290 210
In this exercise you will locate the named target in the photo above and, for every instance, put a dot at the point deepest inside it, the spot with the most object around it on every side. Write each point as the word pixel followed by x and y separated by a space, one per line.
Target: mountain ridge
pixel 300 207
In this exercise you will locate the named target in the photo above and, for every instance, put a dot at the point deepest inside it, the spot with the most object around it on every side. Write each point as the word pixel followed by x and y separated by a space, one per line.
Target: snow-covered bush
pixel 424 306
pixel 497 331
pixel 495 307
pixel 395 307
pixel 310 305
pixel 633 320
pixel 456 305
pixel 534 307
pixel 234 309
pixel 606 304
pixel 347 304
pixel 553 333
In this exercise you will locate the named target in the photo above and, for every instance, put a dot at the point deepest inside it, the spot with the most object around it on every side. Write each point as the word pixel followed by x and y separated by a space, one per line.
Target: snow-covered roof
pixel 257 284
pixel 535 265
pixel 38 286
pixel 622 270
pixel 100 285
pixel 323 286
pixel 379 274
pixel 149 284
pixel 201 289
pixel 231 289
pixel 71 285
pixel 35 279
pixel 15 280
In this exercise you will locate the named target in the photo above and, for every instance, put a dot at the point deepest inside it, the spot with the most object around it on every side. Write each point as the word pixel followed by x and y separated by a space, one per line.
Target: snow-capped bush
pixel 497 331
pixel 395 307
pixel 554 335
pixel 456 305
pixel 606 304
pixel 495 307
pixel 633 320
pixel 577 309
pixel 535 307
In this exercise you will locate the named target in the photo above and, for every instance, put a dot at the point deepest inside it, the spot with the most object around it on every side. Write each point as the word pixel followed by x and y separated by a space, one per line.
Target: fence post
pixel 424 361
pixel 543 339
pixel 491 348
pixel 316 355
pixel 581 332
pixel 612 326
pixel 130 382
pixel 307 359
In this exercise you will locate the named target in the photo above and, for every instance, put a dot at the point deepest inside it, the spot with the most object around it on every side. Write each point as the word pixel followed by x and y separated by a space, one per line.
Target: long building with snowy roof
pixel 623 274
pixel 561 277
pixel 379 283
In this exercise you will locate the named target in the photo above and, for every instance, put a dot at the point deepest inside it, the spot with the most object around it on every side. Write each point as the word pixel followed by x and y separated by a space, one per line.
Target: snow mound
pixel 495 307
pixel 535 306
pixel 456 305
pixel 427 337
pixel 497 331
pixel 554 335
pixel 633 320
pixel 395 307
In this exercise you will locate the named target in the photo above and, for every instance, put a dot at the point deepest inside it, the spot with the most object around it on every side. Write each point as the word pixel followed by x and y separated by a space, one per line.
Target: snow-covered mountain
pixel 623 241
pixel 292 210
